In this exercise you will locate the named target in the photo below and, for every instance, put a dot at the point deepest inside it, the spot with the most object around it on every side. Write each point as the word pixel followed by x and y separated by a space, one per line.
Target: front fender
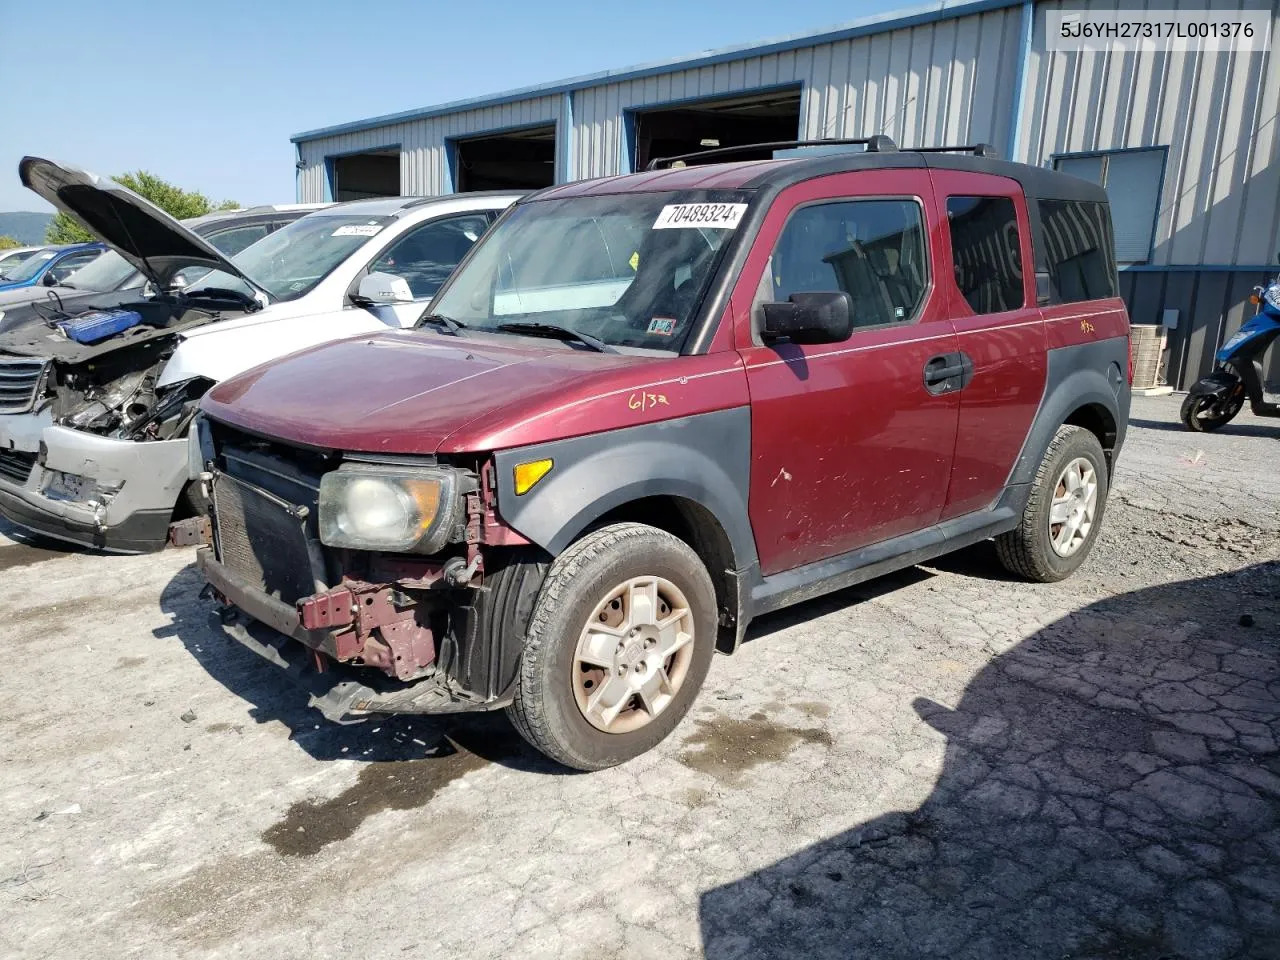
pixel 1219 384
pixel 705 458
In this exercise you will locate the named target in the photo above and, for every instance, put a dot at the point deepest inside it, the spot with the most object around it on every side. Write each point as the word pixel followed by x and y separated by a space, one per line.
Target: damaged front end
pixel 92 449
pixel 366 630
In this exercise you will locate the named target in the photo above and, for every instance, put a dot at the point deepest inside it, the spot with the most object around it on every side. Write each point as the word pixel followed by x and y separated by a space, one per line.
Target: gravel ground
pixel 943 763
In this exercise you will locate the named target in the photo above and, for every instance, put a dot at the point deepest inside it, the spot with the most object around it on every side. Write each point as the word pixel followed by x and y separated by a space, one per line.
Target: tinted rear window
pixel 986 252
pixel 1079 250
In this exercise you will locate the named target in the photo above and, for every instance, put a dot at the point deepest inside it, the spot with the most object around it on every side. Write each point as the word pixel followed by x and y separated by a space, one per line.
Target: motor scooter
pixel 1215 399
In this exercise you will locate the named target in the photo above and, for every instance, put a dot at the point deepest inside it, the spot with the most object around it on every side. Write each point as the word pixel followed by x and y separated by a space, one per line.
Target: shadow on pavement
pixel 271 696
pixel 1230 430
pixel 1110 789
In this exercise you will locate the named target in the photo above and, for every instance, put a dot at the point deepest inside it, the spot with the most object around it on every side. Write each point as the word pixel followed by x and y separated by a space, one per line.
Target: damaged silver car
pixel 95 405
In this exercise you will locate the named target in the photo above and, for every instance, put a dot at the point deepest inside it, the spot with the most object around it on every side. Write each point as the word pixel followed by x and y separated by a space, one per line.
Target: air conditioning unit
pixel 1147 341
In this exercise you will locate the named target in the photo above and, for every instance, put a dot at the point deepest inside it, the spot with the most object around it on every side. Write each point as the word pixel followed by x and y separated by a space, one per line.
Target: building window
pixel 1077 250
pixel 986 252
pixel 1132 179
pixel 873 250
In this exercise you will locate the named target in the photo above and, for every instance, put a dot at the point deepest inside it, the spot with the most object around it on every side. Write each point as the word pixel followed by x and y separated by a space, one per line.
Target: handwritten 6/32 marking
pixel 646 401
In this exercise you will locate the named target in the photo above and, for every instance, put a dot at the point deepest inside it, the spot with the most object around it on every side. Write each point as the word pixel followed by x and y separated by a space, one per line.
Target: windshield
pixel 629 269
pixel 10 261
pixel 289 262
pixel 107 272
pixel 31 266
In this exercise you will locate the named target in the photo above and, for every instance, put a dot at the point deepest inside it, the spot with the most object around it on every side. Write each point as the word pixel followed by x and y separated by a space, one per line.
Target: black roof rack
pixel 876 144
pixel 977 149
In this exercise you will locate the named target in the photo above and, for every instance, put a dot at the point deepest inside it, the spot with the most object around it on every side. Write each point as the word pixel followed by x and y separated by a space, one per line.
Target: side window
pixel 427 255
pixel 70 264
pixel 1078 250
pixel 872 250
pixel 986 253
pixel 230 242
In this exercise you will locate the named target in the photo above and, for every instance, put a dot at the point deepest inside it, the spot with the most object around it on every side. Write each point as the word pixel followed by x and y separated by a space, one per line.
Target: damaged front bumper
pixel 115 495
pixel 353 649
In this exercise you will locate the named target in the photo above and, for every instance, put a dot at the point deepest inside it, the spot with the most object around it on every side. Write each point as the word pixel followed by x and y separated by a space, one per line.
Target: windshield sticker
pixel 717 216
pixel 635 260
pixel 357 230
pixel 662 326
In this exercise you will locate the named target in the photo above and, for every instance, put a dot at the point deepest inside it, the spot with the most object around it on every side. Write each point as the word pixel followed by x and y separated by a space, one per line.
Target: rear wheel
pixel 1203 413
pixel 1064 511
pixel 617 648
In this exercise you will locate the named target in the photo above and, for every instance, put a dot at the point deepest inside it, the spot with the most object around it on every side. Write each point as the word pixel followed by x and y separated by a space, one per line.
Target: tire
pixel 1194 417
pixel 191 502
pixel 554 687
pixel 1029 551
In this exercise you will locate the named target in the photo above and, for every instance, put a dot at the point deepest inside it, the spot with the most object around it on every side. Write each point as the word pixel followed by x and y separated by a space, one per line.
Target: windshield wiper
pixel 250 303
pixel 557 332
pixel 448 323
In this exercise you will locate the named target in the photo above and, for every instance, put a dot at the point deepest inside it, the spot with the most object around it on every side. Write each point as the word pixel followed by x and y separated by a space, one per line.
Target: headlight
pixel 388 508
pixel 1272 295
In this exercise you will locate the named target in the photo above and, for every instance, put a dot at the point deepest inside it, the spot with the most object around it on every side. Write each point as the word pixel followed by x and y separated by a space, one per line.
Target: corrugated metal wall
pixel 424 163
pixel 951 81
pixel 1216 112
pixel 954 81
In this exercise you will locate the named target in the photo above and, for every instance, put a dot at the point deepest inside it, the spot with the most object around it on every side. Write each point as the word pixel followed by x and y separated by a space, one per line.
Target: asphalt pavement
pixel 942 763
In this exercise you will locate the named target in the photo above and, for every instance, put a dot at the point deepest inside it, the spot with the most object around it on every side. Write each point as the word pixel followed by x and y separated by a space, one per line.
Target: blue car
pixel 51 265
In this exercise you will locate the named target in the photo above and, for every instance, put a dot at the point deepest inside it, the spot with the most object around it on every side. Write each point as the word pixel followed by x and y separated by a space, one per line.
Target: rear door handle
pixel 947 372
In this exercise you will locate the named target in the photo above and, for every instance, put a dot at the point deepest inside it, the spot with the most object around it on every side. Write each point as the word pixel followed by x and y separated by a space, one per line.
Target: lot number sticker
pixel 717 216
pixel 358 230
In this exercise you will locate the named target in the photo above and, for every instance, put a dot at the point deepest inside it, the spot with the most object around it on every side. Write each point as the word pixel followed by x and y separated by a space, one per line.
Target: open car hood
pixel 155 243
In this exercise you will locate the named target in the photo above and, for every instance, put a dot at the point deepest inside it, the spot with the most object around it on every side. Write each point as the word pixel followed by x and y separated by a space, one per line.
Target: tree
pixel 178 203
pixel 8 243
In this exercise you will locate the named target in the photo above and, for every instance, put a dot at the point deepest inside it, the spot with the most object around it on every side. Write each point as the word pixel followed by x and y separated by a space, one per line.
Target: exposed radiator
pixel 261 539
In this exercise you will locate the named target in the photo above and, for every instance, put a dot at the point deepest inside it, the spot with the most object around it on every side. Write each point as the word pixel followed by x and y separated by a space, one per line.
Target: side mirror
pixel 809 318
pixel 383 288
pixel 49 280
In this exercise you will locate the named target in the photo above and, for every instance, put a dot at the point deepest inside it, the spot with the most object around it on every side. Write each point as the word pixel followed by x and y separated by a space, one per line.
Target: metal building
pixel 1185 143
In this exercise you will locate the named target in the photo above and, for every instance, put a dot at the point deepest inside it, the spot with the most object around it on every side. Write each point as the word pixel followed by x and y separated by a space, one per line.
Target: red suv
pixel 647 409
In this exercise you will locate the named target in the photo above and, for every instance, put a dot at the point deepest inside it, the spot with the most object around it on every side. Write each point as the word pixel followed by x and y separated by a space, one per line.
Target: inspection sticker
pixel 717 216
pixel 357 230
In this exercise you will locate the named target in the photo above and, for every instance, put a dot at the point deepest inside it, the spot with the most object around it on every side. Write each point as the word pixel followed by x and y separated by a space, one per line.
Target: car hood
pixel 405 392
pixel 13 296
pixel 155 243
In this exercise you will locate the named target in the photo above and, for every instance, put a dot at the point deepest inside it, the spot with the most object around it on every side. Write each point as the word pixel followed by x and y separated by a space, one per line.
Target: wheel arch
pixel 688 476
pixel 1085 386
pixel 1101 422
pixel 697 526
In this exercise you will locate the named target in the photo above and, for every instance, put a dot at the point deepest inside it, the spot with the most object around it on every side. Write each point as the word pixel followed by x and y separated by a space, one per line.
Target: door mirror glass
pixel 809 318
pixel 380 287
pixel 50 279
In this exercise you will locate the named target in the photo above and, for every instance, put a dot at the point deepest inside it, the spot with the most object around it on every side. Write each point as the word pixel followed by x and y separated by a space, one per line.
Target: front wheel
pixel 1203 413
pixel 617 647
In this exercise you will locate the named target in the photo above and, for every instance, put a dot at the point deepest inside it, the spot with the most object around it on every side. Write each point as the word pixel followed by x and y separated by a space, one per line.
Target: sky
pixel 207 95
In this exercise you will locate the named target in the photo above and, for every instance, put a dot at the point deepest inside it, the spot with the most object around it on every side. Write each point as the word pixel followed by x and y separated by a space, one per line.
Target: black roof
pixel 1037 182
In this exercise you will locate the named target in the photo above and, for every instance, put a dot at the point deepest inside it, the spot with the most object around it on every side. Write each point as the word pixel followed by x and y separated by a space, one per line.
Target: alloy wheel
pixel 633 654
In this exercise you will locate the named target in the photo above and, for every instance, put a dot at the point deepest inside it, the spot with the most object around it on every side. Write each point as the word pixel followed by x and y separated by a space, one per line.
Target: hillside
pixel 29 228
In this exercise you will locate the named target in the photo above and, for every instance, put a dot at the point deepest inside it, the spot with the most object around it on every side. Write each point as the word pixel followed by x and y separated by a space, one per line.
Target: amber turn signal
pixel 527 474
